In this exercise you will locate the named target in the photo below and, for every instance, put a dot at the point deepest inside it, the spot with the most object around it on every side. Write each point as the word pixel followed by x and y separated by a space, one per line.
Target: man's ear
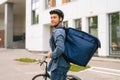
pixel 61 19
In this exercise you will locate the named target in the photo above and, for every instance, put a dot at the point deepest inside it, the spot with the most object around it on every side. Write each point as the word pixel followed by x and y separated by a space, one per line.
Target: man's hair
pixel 58 12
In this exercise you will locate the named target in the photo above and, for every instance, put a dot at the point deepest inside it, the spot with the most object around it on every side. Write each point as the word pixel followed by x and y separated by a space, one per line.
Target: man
pixel 58 66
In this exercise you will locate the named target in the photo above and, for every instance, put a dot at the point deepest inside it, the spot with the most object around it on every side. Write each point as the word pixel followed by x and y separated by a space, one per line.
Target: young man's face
pixel 55 20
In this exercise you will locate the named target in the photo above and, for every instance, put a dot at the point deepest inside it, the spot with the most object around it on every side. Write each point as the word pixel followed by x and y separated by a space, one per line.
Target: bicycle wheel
pixel 41 77
pixel 72 77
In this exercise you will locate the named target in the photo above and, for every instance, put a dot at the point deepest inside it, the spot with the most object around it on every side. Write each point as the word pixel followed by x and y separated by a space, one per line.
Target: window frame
pixel 66 1
pixel 78 26
pixel 50 3
pixel 92 26
pixel 65 23
pixel 35 12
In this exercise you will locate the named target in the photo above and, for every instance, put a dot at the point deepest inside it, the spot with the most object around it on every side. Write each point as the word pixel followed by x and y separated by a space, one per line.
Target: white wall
pixel 46 37
pixel 36 35
pixel 2 1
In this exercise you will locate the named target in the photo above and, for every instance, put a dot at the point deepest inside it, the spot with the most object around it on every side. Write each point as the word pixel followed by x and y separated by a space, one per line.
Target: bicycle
pixel 46 76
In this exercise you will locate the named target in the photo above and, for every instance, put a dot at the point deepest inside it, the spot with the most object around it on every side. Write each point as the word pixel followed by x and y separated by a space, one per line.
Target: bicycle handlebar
pixel 43 60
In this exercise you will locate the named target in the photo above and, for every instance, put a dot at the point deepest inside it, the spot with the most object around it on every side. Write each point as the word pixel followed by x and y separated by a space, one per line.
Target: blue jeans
pixel 59 73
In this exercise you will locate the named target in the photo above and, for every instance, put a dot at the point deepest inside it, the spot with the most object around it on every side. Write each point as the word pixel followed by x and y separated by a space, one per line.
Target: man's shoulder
pixel 58 32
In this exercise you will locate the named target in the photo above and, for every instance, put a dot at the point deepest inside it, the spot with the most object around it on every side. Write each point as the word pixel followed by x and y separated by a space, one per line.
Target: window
pixel 78 24
pixel 93 25
pixel 70 0
pixel 66 1
pixel 65 23
pixel 47 4
pixel 114 32
pixel 50 3
pixel 35 11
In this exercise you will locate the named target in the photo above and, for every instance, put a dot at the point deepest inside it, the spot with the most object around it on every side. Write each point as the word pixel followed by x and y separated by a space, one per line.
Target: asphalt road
pixel 101 68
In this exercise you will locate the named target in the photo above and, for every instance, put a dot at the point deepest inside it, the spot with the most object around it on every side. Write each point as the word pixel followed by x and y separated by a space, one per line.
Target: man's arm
pixel 59 39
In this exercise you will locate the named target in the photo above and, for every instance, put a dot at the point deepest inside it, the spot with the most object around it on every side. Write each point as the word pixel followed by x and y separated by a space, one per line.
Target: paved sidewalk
pixel 101 68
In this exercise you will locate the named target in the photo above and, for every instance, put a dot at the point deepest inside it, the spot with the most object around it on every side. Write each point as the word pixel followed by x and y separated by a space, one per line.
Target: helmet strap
pixel 58 24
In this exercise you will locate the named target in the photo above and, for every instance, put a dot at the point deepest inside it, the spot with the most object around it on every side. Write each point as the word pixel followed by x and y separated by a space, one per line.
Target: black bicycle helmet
pixel 58 12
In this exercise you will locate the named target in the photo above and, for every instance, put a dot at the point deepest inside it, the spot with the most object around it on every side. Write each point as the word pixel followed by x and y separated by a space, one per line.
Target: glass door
pixel 114 32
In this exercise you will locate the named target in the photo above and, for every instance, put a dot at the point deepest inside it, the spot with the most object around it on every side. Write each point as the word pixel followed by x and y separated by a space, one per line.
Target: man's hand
pixel 48 54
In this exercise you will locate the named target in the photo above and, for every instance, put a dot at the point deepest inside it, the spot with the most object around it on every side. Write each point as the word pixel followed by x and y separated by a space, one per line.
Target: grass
pixel 28 60
pixel 76 68
pixel 73 68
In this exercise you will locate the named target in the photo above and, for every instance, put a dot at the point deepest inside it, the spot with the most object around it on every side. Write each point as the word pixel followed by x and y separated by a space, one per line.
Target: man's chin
pixel 53 25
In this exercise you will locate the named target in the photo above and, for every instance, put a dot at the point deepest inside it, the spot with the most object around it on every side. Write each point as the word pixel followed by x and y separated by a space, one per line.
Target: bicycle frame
pixel 46 74
pixel 42 62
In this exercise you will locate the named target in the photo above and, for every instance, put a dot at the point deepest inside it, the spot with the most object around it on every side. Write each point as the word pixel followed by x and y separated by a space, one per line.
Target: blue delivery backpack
pixel 79 46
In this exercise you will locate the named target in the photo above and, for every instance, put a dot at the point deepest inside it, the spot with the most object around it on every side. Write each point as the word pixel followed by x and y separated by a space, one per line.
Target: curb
pixel 105 59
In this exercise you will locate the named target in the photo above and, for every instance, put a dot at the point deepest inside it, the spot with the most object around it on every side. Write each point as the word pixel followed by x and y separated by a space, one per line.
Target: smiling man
pixel 58 66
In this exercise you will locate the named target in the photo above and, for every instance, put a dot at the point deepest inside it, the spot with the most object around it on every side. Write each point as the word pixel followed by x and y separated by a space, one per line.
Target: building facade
pixel 100 18
pixel 12 23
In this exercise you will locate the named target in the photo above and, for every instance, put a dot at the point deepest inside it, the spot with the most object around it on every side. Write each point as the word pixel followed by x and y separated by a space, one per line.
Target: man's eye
pixel 54 17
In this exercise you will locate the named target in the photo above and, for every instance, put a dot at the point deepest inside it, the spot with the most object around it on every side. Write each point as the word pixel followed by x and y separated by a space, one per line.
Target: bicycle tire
pixel 40 77
pixel 45 77
pixel 72 77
